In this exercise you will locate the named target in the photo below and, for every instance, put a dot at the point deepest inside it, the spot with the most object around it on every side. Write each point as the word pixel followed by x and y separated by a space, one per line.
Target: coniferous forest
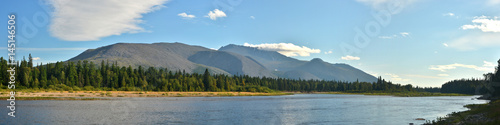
pixel 488 85
pixel 85 75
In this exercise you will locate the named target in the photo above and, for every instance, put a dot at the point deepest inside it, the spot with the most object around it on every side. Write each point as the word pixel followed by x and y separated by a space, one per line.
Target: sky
pixel 419 42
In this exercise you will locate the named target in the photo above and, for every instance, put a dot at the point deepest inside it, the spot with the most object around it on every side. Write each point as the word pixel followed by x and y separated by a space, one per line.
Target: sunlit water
pixel 252 110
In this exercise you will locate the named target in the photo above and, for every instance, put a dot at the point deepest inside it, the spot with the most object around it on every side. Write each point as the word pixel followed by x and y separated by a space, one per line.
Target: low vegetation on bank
pixel 54 98
pixel 28 94
pixel 402 94
pixel 479 114
pixel 87 76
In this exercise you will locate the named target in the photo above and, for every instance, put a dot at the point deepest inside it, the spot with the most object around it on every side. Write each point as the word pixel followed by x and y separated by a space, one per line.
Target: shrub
pixel 76 88
pixel 88 88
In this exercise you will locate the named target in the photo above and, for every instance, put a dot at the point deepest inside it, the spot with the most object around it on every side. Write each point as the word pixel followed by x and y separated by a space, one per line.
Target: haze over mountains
pixel 230 59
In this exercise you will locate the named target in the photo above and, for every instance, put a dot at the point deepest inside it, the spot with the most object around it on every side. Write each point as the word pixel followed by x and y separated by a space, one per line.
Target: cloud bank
pixel 396 78
pixel 484 23
pixel 90 20
pixel 287 49
pixel 487 67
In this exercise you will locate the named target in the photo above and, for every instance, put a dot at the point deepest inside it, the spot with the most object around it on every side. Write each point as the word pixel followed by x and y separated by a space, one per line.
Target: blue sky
pixel 424 42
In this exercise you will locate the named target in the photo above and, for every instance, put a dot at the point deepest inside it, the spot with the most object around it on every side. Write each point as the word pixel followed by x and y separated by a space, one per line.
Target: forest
pixel 471 86
pixel 85 75
pixel 475 86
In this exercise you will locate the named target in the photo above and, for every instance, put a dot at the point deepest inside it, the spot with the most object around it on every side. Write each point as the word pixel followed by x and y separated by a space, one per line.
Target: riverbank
pixel 399 94
pixel 99 95
pixel 96 95
pixel 479 114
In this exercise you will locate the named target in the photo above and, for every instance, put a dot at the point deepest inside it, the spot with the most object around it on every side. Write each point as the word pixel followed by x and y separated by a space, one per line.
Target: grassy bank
pixel 54 98
pixel 401 94
pixel 90 95
pixel 479 114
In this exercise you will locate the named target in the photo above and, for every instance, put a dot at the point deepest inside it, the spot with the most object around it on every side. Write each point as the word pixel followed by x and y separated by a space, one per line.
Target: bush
pixel 88 88
pixel 76 88
pixel 253 89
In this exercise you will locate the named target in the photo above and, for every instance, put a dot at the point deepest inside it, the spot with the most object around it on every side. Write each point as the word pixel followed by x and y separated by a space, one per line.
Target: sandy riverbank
pixel 91 94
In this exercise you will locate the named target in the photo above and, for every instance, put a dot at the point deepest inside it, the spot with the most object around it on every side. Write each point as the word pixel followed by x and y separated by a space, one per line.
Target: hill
pixel 231 59
pixel 288 67
pixel 174 56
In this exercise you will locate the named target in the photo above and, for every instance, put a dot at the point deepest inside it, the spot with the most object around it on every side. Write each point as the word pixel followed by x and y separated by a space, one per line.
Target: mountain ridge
pixel 230 59
pixel 292 68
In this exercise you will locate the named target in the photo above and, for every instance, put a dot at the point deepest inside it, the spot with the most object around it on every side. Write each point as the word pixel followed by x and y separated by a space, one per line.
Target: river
pixel 251 110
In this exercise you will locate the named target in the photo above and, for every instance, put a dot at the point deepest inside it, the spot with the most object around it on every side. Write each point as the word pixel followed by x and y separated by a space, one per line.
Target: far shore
pixel 99 95
pixel 75 95
pixel 397 94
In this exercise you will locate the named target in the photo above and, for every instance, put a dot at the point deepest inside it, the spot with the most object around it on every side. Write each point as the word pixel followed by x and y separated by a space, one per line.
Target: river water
pixel 252 110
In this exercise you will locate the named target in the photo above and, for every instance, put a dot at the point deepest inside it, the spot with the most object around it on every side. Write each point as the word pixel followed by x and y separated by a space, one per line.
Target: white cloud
pixel 185 15
pixel 329 52
pixel 443 75
pixel 404 34
pixel 485 24
pixel 385 4
pixel 487 67
pixel 213 15
pixel 449 14
pixel 424 76
pixel 36 58
pixel 90 20
pixel 488 64
pixel 373 73
pixel 392 75
pixel 445 44
pixel 252 17
pixel 396 78
pixel 474 41
pixel 401 34
pixel 350 58
pixel 287 49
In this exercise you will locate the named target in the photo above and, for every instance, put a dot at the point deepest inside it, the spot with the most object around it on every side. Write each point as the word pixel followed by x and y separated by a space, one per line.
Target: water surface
pixel 290 109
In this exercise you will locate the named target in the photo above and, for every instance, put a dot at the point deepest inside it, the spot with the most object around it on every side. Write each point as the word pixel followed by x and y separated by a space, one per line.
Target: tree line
pixel 471 86
pixel 475 85
pixel 85 75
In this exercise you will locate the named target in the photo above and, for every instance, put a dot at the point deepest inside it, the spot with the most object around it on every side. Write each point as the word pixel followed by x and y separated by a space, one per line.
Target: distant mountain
pixel 230 59
pixel 231 63
pixel 175 56
pixel 270 59
pixel 288 67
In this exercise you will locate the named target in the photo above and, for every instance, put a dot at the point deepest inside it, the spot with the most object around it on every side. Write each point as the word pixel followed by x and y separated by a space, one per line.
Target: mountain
pixel 231 59
pixel 231 63
pixel 270 59
pixel 175 56
pixel 288 67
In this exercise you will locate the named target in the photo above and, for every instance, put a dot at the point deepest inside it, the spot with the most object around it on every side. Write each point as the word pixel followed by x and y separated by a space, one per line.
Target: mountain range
pixel 231 60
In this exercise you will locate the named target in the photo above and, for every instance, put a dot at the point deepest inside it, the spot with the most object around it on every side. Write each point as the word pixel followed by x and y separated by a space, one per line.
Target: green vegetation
pixel 84 75
pixel 53 98
pixel 484 114
pixel 465 86
pixel 402 94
